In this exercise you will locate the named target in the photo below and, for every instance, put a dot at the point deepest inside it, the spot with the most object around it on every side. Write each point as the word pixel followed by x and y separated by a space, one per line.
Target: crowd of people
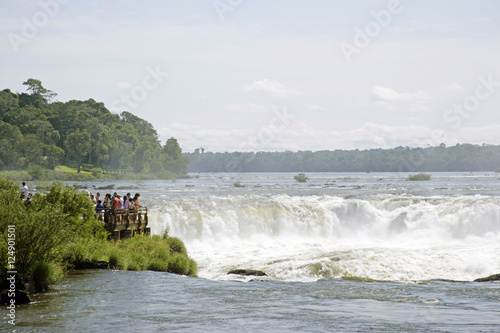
pixel 115 202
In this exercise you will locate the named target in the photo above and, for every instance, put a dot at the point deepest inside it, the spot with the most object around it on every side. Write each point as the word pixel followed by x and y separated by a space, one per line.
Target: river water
pixel 344 252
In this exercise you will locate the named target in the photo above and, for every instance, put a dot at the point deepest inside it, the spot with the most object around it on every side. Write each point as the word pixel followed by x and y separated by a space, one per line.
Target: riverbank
pixel 65 173
pixel 139 253
pixel 58 231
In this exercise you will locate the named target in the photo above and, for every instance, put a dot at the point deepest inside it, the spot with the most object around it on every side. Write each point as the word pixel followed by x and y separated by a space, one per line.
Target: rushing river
pixel 350 252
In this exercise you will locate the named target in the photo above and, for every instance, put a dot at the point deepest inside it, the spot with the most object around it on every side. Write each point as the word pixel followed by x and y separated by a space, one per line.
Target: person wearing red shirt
pixel 116 203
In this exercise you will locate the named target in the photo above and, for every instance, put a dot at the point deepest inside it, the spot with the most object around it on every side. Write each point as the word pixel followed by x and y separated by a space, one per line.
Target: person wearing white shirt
pixel 25 191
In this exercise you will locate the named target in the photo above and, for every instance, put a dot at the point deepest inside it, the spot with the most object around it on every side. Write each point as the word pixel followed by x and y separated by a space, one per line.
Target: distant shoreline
pixel 458 158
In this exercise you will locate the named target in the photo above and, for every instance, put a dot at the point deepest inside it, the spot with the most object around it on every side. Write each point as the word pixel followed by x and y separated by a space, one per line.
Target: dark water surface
pixel 120 301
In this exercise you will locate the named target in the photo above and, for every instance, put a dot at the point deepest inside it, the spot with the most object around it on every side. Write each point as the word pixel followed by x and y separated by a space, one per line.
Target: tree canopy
pixel 461 157
pixel 34 131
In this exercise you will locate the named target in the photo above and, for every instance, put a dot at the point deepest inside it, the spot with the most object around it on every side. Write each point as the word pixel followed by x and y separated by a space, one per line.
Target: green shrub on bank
pixel 141 252
pixel 420 176
pixel 58 230
pixel 301 178
pixel 47 224
pixel 46 273
pixel 37 172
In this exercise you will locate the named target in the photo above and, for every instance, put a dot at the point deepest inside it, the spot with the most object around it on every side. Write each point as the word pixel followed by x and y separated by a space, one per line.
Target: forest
pixel 460 157
pixel 38 134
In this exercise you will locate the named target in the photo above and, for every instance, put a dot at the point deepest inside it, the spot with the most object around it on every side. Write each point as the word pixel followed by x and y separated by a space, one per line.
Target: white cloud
pixel 390 95
pixel 297 135
pixel 268 88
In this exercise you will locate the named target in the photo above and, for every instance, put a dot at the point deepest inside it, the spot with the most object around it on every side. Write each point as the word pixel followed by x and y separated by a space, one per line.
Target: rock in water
pixel 247 272
pixel 92 264
pixel 494 277
pixel 21 296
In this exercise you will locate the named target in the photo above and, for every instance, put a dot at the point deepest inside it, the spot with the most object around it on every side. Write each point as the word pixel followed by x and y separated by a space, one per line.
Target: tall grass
pixel 141 252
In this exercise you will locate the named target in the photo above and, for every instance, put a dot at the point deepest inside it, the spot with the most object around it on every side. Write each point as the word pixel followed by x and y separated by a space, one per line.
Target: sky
pixel 269 75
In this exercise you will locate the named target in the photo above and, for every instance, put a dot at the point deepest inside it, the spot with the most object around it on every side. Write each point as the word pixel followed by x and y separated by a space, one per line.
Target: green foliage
pixel 36 132
pixel 59 229
pixel 420 176
pixel 115 258
pixel 35 88
pixel 180 264
pixel 238 184
pixel 177 246
pixel 74 253
pixel 156 253
pixel 45 273
pixel 461 157
pixel 36 172
pixel 301 178
pixel 49 223
pixel 158 265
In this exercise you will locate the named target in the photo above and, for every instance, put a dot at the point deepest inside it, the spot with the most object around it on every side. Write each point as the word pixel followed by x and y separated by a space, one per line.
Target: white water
pixel 305 238
pixel 352 226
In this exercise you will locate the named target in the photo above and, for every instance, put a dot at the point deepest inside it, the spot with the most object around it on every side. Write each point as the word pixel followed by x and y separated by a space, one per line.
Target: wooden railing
pixel 124 223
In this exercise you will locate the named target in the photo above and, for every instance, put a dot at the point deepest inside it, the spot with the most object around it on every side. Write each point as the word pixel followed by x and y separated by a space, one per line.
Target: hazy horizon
pixel 235 75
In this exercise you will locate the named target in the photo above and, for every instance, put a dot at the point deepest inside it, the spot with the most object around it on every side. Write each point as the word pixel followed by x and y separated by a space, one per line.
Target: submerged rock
pixel 247 272
pixel 92 264
pixel 17 288
pixel 494 277
pixel 20 296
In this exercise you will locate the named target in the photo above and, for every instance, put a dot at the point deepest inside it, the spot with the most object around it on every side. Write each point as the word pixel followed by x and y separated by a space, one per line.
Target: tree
pixel 54 155
pixel 32 150
pixel 147 157
pixel 35 88
pixel 77 146
pixel 174 160
pixel 36 132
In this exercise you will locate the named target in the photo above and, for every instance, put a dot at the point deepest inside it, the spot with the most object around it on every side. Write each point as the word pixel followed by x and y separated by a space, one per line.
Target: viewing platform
pixel 125 223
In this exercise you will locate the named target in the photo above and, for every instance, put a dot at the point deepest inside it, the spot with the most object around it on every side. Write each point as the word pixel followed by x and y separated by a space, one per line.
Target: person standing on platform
pixel 125 202
pixel 25 191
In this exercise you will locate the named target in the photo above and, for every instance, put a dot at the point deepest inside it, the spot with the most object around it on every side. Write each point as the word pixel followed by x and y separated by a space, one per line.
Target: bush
pixel 158 253
pixel 74 253
pixel 301 178
pixel 158 265
pixel 37 172
pixel 44 273
pixel 177 246
pixel 48 225
pixel 179 264
pixel 114 258
pixel 420 176
pixel 59 229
